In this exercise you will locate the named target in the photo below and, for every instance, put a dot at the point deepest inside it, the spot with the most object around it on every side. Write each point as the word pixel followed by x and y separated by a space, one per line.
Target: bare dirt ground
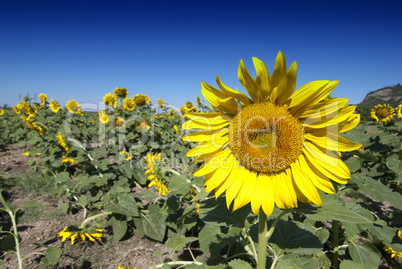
pixel 43 226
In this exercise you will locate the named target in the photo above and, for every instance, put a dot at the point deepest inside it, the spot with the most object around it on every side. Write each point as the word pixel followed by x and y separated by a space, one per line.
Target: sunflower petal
pixel 232 93
pixel 332 142
pixel 205 135
pixel 263 79
pixel 248 82
pixel 279 70
pixel 287 85
pixel 285 195
pixel 233 190
pixel 212 164
pixel 305 184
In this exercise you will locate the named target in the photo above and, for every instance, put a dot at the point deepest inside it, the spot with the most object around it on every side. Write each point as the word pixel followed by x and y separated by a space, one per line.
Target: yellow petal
pixel 189 125
pixel 328 120
pixel 232 93
pixel 285 195
pixel 279 70
pixel 332 142
pixel 205 135
pixel 317 177
pixel 219 99
pixel 247 189
pixel 303 182
pixel 320 110
pixel 287 85
pixel 215 178
pixel 248 82
pixel 214 118
pixel 212 164
pixel 229 180
pixel 208 147
pixel 263 79
pixel 233 190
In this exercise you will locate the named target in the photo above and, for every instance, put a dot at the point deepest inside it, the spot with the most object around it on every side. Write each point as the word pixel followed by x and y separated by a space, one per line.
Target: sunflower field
pixel 276 178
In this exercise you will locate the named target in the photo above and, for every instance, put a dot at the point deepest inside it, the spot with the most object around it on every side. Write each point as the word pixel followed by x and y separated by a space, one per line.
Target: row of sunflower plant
pixel 281 178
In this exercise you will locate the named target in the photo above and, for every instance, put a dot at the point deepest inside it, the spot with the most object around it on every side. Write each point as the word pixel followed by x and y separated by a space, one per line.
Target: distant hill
pixel 391 95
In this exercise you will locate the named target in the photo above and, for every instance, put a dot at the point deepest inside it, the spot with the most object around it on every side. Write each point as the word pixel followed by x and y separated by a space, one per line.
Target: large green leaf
pixel 330 210
pixel 377 190
pixel 32 204
pixel 291 238
pixel 179 242
pixel 153 224
pixel 353 164
pixel 366 254
pixel 295 261
pixel 216 211
pixel 119 229
pixel 347 264
pixel 239 264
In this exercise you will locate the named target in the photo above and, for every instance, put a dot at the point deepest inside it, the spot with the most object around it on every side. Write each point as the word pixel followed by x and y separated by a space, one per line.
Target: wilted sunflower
pixel 399 110
pixel 141 99
pixel 54 106
pixel 72 231
pixel 73 106
pixel 382 113
pixel 129 104
pixel 278 147
pixel 110 100
pixel 103 117
pixel 120 93
pixel 154 164
pixel 161 104
pixel 61 142
pixel 1 111
pixel 42 98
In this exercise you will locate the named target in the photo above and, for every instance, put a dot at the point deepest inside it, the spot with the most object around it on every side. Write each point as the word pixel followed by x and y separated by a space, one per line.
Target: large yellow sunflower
pixel 383 113
pixel 140 99
pixel 110 100
pixel 120 93
pixel 129 104
pixel 73 106
pixel 278 146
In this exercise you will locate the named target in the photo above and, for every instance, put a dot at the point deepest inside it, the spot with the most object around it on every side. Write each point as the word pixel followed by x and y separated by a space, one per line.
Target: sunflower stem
pixel 94 217
pixel 335 228
pixel 262 240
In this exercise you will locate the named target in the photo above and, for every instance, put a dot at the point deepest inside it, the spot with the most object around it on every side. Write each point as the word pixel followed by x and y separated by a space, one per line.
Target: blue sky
pixel 84 49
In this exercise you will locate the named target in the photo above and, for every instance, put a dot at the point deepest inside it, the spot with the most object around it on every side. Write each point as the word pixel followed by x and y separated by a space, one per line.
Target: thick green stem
pixel 335 239
pixel 94 217
pixel 15 234
pixel 262 240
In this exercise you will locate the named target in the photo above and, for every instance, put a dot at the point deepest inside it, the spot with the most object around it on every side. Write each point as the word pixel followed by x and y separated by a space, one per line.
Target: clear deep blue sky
pixel 84 49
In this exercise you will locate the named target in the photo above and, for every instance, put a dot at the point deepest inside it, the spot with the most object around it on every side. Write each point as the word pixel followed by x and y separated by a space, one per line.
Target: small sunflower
pixel 383 113
pixel 176 129
pixel 278 147
pixel 103 117
pixel 172 113
pixel 197 203
pixel 1 111
pixel 391 251
pixel 182 110
pixel 126 155
pixel 154 164
pixel 110 100
pixel 122 267
pixel 73 106
pixel 120 93
pixel 16 109
pixel 189 107
pixel 141 99
pixel 119 122
pixel 61 142
pixel 161 104
pixel 72 231
pixel 54 106
pixel 144 125
pixel 399 110
pixel 129 104
pixel 68 160
pixel 43 98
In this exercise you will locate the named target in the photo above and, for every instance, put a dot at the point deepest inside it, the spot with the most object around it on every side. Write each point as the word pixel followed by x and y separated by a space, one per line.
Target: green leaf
pixel 395 165
pixel 239 264
pixel 291 238
pixel 62 177
pixel 365 254
pixel 377 190
pixel 347 264
pixel 331 210
pixel 153 224
pixel 216 211
pixel 52 255
pixel 353 164
pixel 295 261
pixel 119 229
pixel 7 243
pixel 179 242
pixel 32 204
